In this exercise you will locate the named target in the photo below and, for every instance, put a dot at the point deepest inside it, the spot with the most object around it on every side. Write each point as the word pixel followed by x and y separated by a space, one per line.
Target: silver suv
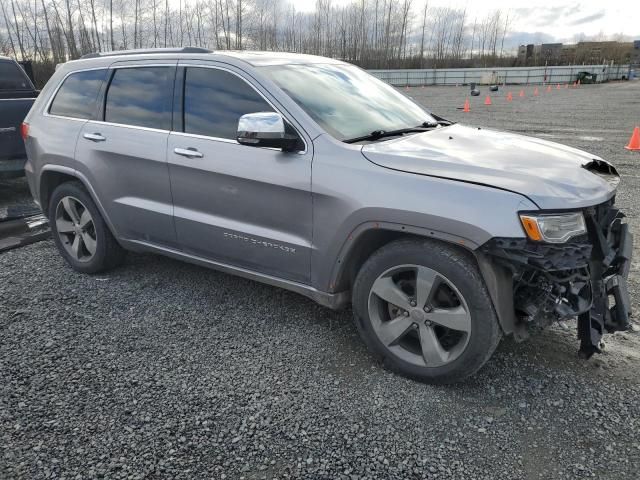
pixel 309 174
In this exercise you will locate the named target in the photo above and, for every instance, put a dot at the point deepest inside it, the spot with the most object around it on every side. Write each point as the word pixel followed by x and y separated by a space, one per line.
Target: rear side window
pixel 12 77
pixel 141 96
pixel 214 101
pixel 77 96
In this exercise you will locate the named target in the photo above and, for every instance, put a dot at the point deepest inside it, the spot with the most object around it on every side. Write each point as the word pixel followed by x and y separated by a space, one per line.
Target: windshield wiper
pixel 440 121
pixel 378 134
pixel 443 123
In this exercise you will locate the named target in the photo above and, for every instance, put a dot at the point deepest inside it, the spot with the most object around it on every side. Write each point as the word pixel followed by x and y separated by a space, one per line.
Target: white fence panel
pixel 512 75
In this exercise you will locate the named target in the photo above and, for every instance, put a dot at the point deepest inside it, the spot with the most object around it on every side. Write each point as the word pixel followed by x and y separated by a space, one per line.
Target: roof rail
pixel 147 51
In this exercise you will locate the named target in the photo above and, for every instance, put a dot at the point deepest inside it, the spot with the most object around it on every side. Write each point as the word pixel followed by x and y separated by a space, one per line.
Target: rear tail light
pixel 24 130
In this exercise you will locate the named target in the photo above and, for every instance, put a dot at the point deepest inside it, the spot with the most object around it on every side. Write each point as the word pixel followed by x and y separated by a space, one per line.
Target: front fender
pixel 360 233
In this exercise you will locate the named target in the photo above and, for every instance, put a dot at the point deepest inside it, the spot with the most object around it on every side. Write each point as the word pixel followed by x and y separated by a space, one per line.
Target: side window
pixel 140 96
pixel 12 77
pixel 214 101
pixel 77 96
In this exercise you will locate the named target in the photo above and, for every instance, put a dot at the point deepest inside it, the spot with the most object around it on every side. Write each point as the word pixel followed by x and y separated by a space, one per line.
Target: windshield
pixel 345 100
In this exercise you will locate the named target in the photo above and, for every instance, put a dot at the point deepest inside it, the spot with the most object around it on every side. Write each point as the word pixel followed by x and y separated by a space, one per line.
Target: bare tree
pixel 370 33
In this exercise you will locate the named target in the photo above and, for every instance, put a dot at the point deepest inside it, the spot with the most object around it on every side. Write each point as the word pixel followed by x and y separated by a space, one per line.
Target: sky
pixel 538 21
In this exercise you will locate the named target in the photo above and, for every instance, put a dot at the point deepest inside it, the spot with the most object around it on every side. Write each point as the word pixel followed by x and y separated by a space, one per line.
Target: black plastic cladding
pixel 609 267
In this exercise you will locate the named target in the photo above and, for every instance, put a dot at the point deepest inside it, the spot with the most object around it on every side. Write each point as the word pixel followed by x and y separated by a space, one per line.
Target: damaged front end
pixel 583 278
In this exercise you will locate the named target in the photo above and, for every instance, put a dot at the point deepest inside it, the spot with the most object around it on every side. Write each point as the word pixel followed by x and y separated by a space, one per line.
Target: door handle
pixel 95 137
pixel 188 152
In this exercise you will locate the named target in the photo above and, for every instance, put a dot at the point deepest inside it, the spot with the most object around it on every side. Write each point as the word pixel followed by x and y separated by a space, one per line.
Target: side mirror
pixel 265 129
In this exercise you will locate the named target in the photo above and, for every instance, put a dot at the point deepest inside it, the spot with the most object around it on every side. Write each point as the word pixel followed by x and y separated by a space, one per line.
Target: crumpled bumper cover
pixel 584 278
pixel 609 266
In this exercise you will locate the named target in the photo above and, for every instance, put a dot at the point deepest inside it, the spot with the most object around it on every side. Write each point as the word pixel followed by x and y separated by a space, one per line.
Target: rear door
pixel 123 152
pixel 246 206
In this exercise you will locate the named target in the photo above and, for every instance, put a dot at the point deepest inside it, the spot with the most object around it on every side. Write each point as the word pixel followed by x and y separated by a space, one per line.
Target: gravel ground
pixel 162 369
pixel 15 199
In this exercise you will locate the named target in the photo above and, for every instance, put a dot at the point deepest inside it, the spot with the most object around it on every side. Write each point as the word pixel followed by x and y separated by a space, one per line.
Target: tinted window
pixel 12 77
pixel 77 96
pixel 214 100
pixel 141 96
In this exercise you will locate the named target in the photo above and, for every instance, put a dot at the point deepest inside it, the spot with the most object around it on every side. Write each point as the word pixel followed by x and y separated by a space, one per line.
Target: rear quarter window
pixel 76 97
pixel 12 77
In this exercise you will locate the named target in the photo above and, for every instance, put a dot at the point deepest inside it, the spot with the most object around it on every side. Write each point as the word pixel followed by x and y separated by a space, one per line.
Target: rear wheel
pixel 79 231
pixel 422 307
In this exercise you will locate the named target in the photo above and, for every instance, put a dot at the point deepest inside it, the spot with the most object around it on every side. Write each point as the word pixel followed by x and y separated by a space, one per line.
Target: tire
pixel 97 249
pixel 425 349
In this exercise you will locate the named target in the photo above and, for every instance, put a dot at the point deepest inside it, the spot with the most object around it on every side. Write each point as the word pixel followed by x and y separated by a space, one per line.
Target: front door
pixel 236 204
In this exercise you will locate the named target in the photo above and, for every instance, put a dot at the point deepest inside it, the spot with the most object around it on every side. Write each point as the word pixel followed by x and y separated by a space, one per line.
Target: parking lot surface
pixel 161 369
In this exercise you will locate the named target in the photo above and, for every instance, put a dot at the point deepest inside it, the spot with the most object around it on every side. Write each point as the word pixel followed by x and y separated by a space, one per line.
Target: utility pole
pixel 113 44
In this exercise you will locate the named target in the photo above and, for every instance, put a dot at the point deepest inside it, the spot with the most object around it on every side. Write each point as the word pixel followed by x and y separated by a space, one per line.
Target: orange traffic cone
pixel 509 97
pixel 466 108
pixel 487 101
pixel 634 141
pixel 578 83
pixel 522 93
pixel 549 88
pixel 535 92
pixel 558 87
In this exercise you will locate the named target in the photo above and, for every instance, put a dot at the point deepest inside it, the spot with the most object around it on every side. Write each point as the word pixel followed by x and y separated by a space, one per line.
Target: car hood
pixel 549 174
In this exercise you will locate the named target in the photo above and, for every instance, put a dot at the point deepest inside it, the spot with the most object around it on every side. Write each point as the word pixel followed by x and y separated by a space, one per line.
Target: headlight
pixel 557 228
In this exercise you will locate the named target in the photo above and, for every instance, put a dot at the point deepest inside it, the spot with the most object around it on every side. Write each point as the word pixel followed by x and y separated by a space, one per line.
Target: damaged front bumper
pixel 585 278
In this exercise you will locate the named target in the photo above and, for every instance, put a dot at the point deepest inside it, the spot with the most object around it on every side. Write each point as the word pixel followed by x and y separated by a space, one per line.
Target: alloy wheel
pixel 419 315
pixel 75 228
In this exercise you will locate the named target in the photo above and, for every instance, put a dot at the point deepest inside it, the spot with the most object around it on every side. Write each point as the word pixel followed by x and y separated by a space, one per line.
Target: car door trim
pixel 227 140
pixel 205 137
pixel 126 125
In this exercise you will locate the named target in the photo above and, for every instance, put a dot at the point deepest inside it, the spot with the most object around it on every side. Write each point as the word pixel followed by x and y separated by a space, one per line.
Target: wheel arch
pixel 53 176
pixel 50 179
pixel 369 237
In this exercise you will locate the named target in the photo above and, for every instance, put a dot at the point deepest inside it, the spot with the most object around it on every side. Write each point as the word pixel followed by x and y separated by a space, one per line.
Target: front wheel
pixel 423 309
